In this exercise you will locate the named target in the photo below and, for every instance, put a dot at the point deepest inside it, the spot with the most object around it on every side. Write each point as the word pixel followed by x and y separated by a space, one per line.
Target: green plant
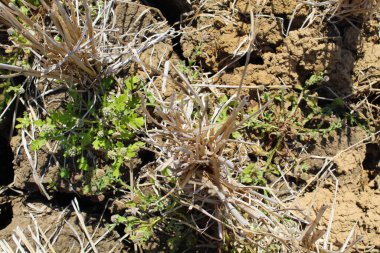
pixel 189 68
pixel 315 79
pixel 190 71
pixel 294 116
pixel 98 132
pixel 297 115
pixel 150 217
pixel 7 92
pixel 139 231
pixel 253 176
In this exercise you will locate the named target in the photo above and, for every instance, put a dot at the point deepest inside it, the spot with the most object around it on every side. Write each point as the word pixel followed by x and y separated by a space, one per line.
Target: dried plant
pixel 336 10
pixel 345 8
pixel 194 145
pixel 33 238
pixel 74 45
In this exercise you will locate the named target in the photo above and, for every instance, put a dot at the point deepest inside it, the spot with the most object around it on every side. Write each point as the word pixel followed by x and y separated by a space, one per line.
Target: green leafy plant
pixel 190 68
pixel 150 217
pixel 296 115
pixel 139 230
pixel 253 176
pixel 139 221
pixel 90 137
pixel 315 79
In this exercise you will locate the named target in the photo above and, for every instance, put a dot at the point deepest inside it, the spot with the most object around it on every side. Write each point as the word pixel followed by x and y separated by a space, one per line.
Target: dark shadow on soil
pixel 171 10
pixel 6 215
pixel 6 123
pixel 347 38
pixel 86 204
pixel 6 166
pixel 146 156
pixel 372 158
pixel 254 59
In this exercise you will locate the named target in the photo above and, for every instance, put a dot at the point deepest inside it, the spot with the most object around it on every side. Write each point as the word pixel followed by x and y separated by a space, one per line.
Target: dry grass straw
pixel 346 8
pixel 336 10
pixel 76 55
pixel 197 147
pixel 34 239
pixel 198 150
pixel 75 45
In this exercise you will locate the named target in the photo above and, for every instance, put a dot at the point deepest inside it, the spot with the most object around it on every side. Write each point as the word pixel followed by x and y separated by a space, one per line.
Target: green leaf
pixel 249 169
pixel 107 83
pixel 136 122
pixel 151 98
pixel 247 180
pixel 132 149
pixel 86 189
pixel 120 102
pixel 298 86
pixel 14 89
pixel 67 119
pixel 37 144
pixel 315 79
pixel 116 167
pixel 131 83
pixel 83 164
pixel 99 143
pixel 39 123
pixel 96 144
pixel 166 172
pixel 116 172
pixel 119 144
pixel 58 38
pixel 35 2
pixel 64 173
pixel 86 139
pixel 24 10
pixel 236 135
pixel 278 98
pixel 338 103
pixel 121 219
pixel 24 122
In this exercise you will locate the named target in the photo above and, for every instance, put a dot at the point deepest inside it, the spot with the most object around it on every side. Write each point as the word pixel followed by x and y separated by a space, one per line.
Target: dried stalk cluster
pixel 66 46
pixel 346 8
pixel 195 145
pixel 333 10
pixel 70 43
